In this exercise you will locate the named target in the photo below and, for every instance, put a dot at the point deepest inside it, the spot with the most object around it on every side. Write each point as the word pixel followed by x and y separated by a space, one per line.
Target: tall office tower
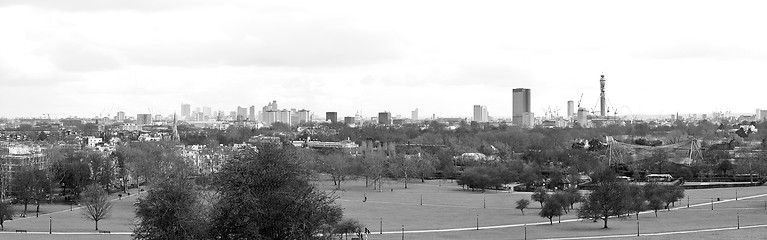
pixel 480 113
pixel 521 105
pixel 206 112
pixel 331 116
pixel 761 114
pixel 252 113
pixel 143 119
pixel 269 117
pixel 272 106
pixel 348 120
pixel 284 116
pixel 384 118
pixel 602 95
pixel 294 118
pixel 304 116
pixel 120 116
pixel 414 114
pixel 582 117
pixel 242 113
pixel 186 110
pixel 570 109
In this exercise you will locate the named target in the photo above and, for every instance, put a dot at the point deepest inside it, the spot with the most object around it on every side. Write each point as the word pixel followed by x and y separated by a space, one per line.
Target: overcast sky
pixel 97 57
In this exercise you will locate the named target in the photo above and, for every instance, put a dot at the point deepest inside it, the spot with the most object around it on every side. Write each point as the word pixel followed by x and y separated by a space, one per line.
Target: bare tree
pixel 96 204
pixel 522 204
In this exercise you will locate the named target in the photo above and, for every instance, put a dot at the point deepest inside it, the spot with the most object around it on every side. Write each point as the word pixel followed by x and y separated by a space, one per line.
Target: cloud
pixel 705 51
pixel 104 5
pixel 81 58
pixel 292 46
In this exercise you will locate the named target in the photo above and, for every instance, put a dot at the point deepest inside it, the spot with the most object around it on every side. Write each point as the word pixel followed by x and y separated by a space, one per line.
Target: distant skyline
pixel 98 57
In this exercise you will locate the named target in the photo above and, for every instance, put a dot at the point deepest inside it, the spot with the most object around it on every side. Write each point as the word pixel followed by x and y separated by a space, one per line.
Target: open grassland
pixel 453 212
pixel 449 212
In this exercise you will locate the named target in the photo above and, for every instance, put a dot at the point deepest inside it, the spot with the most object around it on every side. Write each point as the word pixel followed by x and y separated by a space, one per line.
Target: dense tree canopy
pixel 266 194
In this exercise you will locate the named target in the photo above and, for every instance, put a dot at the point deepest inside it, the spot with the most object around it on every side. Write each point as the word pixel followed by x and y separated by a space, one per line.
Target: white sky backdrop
pixel 91 57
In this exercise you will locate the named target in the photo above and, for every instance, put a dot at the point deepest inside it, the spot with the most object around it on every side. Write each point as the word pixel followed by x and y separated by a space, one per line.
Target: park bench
pixel 106 232
pixel 21 231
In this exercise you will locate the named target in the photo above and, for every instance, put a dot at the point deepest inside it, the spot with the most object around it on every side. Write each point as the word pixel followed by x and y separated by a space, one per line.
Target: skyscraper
pixel 272 106
pixel 384 118
pixel 206 112
pixel 331 116
pixel 143 119
pixel 414 114
pixel 120 116
pixel 252 113
pixel 348 120
pixel 186 110
pixel 521 105
pixel 480 113
pixel 242 113
pixel 304 116
pixel 570 109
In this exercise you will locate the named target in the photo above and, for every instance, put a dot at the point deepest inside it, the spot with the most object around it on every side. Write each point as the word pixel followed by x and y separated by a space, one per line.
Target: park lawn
pixel 450 207
pixel 120 220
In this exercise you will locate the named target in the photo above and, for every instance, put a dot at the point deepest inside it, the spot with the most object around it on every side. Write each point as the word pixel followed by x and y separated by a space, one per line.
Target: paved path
pixel 661 233
pixel 71 233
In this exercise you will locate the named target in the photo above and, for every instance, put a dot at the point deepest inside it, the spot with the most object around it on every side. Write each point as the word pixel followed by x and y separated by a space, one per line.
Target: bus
pixel 659 178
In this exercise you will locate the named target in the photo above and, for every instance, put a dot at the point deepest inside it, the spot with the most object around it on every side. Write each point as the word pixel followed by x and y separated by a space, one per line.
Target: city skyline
pixel 87 59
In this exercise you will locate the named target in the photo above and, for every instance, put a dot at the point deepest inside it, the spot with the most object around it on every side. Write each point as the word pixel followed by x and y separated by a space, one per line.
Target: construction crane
pixel 555 110
pixel 579 101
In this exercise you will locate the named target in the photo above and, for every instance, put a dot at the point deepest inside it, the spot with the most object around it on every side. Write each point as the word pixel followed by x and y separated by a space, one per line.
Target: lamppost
pixel 50 225
pixel 525 231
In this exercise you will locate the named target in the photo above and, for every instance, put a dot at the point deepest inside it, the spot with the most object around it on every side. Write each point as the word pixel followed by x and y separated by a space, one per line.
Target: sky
pixel 96 57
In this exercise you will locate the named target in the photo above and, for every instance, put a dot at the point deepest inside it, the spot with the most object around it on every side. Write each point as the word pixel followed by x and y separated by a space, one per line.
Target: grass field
pixel 442 205
pixel 446 206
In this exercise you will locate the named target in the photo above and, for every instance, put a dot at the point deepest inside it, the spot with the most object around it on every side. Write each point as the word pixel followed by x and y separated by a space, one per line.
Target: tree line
pixel 610 198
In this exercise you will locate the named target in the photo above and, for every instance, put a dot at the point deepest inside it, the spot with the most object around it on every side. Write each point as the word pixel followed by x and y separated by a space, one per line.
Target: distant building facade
pixel 186 110
pixel 480 113
pixel 761 115
pixel 252 113
pixel 521 105
pixel 304 116
pixel 143 119
pixel 384 118
pixel 331 116
pixel 348 120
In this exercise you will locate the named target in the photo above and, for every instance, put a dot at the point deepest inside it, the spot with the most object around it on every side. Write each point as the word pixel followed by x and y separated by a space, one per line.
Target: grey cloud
pixel 103 5
pixel 701 51
pixel 292 46
pixel 81 58
pixel 492 75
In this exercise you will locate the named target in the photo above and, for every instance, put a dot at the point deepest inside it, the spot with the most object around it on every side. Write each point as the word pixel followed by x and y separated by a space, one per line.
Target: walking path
pixel 661 233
